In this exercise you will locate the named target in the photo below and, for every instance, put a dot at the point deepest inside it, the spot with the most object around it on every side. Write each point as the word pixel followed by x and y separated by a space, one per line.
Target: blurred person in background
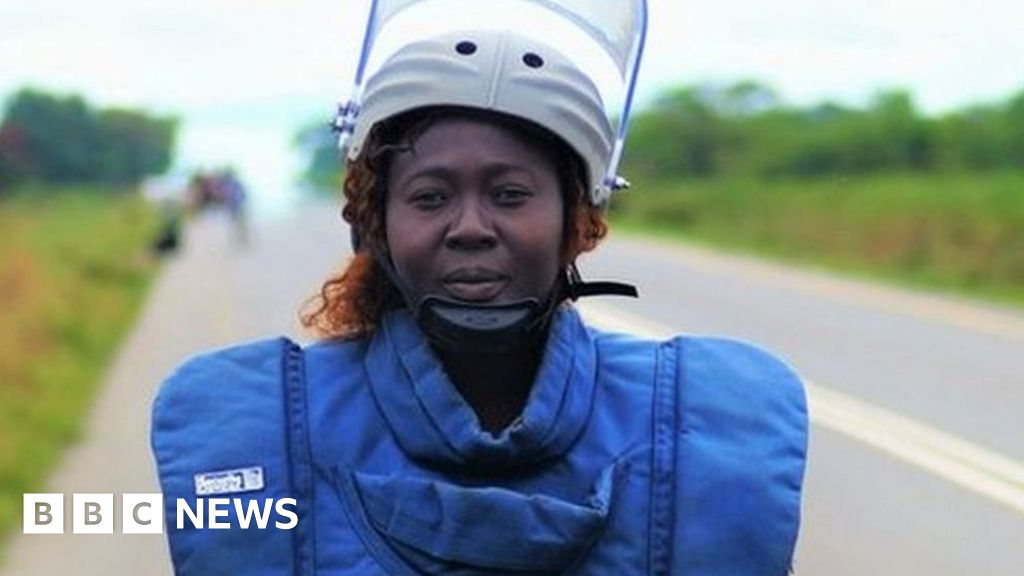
pixel 235 201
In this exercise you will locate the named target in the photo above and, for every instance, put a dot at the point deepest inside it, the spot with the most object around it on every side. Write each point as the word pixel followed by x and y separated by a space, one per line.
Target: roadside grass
pixel 961 233
pixel 74 267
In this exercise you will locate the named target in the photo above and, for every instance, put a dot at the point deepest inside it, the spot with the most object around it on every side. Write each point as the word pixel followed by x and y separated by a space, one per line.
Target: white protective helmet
pixel 483 59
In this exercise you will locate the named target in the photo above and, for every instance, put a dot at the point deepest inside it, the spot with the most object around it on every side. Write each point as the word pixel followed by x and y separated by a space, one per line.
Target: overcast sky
pixel 243 74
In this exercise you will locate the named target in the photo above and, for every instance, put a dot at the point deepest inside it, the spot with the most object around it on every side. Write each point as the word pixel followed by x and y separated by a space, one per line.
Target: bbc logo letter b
pixel 43 514
pixel 93 514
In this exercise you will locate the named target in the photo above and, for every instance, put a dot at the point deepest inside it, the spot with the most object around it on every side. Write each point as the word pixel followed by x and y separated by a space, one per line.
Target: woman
pixel 459 417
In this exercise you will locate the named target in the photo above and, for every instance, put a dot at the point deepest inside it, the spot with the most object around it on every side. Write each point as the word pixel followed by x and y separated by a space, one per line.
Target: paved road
pixel 917 444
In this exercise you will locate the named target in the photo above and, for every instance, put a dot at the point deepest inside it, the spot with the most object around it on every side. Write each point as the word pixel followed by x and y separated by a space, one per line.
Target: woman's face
pixel 474 214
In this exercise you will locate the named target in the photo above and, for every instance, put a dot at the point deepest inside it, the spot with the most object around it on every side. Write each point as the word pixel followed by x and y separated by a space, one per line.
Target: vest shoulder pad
pixel 219 431
pixel 743 428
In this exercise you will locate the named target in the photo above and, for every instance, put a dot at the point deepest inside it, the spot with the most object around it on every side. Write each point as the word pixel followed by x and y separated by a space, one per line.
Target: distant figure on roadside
pixel 170 195
pixel 168 236
pixel 234 197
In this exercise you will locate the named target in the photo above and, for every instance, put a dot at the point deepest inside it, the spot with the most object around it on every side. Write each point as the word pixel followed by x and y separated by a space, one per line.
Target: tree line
pixel 745 129
pixel 62 139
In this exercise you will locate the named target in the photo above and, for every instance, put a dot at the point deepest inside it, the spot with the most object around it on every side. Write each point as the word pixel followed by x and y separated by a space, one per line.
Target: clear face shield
pixel 604 39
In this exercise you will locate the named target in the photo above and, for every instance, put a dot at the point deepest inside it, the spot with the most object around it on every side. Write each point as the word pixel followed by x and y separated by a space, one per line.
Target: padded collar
pixel 432 422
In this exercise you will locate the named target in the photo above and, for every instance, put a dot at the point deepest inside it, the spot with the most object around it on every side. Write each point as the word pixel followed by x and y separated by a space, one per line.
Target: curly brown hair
pixel 351 302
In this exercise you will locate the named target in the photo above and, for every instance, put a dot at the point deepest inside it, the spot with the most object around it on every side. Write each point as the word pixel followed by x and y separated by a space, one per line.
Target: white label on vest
pixel 229 481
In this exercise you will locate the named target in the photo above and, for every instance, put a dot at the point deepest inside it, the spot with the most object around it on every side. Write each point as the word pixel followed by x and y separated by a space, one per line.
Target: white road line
pixel 956 460
pixel 968 465
pixel 936 308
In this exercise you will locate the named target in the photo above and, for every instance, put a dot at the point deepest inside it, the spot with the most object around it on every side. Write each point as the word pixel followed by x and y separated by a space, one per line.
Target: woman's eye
pixel 429 199
pixel 511 195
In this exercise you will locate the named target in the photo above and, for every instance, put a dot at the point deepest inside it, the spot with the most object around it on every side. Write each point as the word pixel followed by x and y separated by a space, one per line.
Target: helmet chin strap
pixel 485 328
pixel 482 328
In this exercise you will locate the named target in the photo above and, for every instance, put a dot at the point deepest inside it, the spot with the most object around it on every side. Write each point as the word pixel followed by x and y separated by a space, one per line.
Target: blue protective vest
pixel 630 457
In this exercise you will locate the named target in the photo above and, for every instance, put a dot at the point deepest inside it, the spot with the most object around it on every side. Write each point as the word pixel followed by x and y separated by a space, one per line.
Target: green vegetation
pixel 74 267
pixel 882 189
pixel 962 232
pixel 73 271
pixel 746 130
pixel 62 139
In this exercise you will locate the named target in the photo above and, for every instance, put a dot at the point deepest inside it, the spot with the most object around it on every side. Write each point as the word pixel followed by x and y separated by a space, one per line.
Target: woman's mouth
pixel 474 285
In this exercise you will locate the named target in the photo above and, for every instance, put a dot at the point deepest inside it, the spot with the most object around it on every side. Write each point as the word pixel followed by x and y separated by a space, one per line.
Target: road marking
pixel 945 309
pixel 968 465
pixel 954 459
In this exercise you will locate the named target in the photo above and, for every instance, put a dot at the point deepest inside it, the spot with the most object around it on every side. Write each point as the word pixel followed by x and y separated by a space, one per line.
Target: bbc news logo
pixel 143 513
pixel 93 513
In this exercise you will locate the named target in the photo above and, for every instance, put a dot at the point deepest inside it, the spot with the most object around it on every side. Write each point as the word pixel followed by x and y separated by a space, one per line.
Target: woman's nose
pixel 472 228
